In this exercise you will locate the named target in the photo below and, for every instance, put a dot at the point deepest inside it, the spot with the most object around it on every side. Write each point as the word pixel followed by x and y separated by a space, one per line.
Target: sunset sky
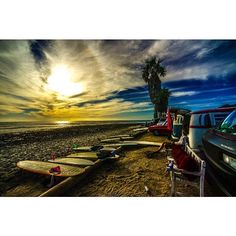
pixel 101 80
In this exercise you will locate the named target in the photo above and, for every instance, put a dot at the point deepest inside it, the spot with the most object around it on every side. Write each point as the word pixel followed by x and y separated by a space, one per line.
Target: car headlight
pixel 229 160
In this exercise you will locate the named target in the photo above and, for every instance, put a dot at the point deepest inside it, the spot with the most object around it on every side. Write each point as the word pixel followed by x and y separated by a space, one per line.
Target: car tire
pixel 156 133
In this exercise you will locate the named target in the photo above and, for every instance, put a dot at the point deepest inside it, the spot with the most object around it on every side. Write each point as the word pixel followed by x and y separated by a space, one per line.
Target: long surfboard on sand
pixel 122 144
pixel 42 167
pixel 83 149
pixel 93 156
pixel 120 136
pixel 84 155
pixel 114 146
pixel 111 140
pixel 91 148
pixel 73 161
pixel 140 129
pixel 135 143
pixel 145 143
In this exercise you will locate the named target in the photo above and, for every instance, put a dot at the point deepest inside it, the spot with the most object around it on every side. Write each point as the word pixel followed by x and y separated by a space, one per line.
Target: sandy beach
pixel 135 175
pixel 39 145
pixel 132 175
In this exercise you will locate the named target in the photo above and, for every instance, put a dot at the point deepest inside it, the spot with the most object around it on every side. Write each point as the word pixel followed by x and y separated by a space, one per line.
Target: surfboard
pixel 121 144
pixel 84 155
pixel 83 149
pixel 110 140
pixel 119 136
pixel 127 138
pixel 73 161
pixel 140 129
pixel 88 148
pixel 108 149
pixel 109 158
pixel 144 143
pixel 135 143
pixel 42 167
pixel 93 156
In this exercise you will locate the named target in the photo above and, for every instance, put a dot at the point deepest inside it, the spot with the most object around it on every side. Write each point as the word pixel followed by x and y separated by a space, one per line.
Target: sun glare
pixel 61 82
pixel 62 122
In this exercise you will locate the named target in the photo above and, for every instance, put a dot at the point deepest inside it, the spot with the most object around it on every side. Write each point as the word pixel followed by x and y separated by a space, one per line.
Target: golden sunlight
pixel 62 122
pixel 61 82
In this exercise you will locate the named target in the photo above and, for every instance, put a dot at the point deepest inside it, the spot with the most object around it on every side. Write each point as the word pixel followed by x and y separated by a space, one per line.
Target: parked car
pixel 161 130
pixel 177 126
pixel 165 129
pixel 162 121
pixel 203 120
pixel 219 145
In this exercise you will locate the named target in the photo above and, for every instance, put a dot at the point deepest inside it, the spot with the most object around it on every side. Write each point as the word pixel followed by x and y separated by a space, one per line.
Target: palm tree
pixel 162 101
pixel 151 73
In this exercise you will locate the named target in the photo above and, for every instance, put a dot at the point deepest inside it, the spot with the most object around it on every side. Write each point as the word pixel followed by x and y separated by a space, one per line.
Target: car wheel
pixel 156 132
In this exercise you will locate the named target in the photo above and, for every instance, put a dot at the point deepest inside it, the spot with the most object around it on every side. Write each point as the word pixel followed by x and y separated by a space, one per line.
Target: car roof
pixel 223 109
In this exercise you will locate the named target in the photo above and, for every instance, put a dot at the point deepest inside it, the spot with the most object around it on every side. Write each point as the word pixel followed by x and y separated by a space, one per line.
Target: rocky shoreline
pixel 40 145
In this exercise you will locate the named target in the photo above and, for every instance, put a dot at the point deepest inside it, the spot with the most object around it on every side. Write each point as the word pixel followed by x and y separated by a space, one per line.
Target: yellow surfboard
pixel 42 167
pixel 73 161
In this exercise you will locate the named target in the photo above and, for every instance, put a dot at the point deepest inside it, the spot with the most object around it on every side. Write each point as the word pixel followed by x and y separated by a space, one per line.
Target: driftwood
pixel 164 145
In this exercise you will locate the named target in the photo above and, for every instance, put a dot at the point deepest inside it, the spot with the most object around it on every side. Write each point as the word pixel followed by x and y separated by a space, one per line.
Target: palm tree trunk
pixel 156 113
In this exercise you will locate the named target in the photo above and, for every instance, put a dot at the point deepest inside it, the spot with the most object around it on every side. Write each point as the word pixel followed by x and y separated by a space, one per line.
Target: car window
pixel 207 120
pixel 200 120
pixel 229 124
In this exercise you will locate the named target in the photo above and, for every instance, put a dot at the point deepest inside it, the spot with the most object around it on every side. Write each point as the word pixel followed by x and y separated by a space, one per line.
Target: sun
pixel 62 122
pixel 61 82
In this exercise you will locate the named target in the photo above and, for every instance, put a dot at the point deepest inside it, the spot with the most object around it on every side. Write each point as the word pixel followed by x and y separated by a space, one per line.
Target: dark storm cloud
pixel 211 52
pixel 37 48
pixel 137 94
pixel 212 82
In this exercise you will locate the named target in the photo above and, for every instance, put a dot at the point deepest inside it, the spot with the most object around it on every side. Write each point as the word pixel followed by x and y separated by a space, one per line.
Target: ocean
pixel 17 127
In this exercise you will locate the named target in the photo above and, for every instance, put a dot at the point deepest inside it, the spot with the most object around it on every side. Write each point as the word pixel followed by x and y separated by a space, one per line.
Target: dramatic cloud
pixel 80 80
